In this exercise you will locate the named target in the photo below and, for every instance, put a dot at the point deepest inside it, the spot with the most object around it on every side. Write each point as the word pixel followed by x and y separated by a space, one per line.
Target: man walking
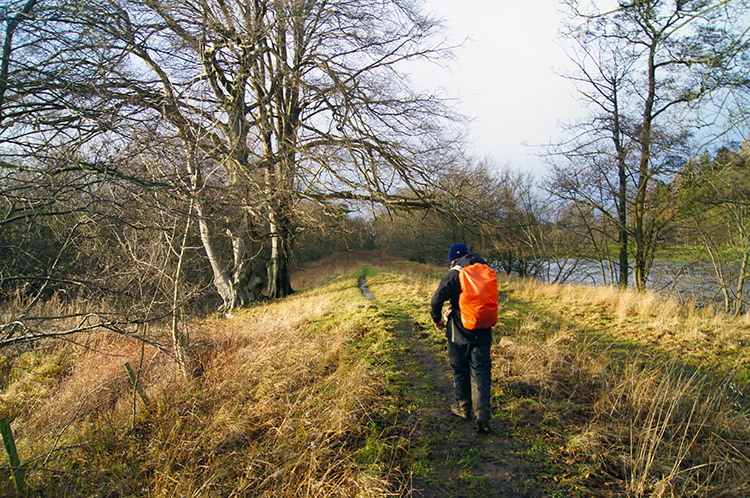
pixel 471 288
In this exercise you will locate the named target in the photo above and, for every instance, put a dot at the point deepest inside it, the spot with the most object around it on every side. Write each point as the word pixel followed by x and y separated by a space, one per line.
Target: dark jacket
pixel 449 290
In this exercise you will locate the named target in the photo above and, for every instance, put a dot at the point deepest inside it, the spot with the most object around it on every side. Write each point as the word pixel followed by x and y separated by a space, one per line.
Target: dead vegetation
pixel 611 394
pixel 280 409
pixel 649 398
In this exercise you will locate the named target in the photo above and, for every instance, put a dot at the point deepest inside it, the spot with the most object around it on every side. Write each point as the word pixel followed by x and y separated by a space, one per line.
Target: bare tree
pixel 507 216
pixel 716 194
pixel 276 101
pixel 644 68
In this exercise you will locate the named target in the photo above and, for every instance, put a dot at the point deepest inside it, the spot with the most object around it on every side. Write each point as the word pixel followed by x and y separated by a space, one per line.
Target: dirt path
pixel 447 457
pixel 466 464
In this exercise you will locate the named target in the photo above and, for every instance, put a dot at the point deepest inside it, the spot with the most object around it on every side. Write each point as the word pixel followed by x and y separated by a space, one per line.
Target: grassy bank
pixel 282 408
pixel 327 393
pixel 627 394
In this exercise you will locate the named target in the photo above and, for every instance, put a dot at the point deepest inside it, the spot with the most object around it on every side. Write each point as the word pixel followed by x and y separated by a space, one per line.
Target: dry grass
pixel 646 397
pixel 315 273
pixel 280 410
pixel 677 430
pixel 623 305
pixel 646 318
pixel 658 391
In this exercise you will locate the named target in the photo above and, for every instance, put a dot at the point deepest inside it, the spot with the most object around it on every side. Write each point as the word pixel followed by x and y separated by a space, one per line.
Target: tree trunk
pixel 644 176
pixel 622 208
pixel 622 193
pixel 741 282
pixel 718 267
pixel 245 283
pixel 221 278
pixel 180 342
pixel 741 278
pixel 279 277
pixel 740 217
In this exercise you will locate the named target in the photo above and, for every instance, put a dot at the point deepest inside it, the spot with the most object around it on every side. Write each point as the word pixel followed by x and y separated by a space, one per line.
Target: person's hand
pixel 440 325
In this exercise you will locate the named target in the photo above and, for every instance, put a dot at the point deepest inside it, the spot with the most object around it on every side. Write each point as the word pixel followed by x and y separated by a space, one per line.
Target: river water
pixel 694 283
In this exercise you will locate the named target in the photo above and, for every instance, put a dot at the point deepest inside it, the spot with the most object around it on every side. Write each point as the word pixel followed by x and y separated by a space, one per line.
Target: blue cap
pixel 457 250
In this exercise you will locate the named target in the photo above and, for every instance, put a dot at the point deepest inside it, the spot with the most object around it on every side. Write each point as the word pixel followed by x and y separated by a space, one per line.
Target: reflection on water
pixel 689 283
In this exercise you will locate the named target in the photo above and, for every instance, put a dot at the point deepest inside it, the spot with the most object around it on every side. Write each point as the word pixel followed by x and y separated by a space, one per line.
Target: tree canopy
pixel 245 107
pixel 648 71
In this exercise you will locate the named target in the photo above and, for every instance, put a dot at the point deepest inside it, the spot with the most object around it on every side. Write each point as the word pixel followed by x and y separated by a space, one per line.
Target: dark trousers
pixel 472 367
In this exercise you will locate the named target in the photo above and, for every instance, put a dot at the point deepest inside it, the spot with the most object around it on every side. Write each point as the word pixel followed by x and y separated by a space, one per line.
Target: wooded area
pixel 161 160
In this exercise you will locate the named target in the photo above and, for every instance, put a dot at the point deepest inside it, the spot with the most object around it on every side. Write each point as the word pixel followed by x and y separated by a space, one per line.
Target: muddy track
pixel 448 458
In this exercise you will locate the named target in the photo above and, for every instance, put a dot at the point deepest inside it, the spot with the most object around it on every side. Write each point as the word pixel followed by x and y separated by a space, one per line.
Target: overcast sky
pixel 504 76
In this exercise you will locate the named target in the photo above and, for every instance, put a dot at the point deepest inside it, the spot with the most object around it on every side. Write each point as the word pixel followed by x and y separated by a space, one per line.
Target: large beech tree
pixel 272 103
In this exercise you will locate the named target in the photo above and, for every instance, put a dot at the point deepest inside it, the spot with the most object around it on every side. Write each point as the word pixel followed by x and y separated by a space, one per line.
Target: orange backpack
pixel 478 298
